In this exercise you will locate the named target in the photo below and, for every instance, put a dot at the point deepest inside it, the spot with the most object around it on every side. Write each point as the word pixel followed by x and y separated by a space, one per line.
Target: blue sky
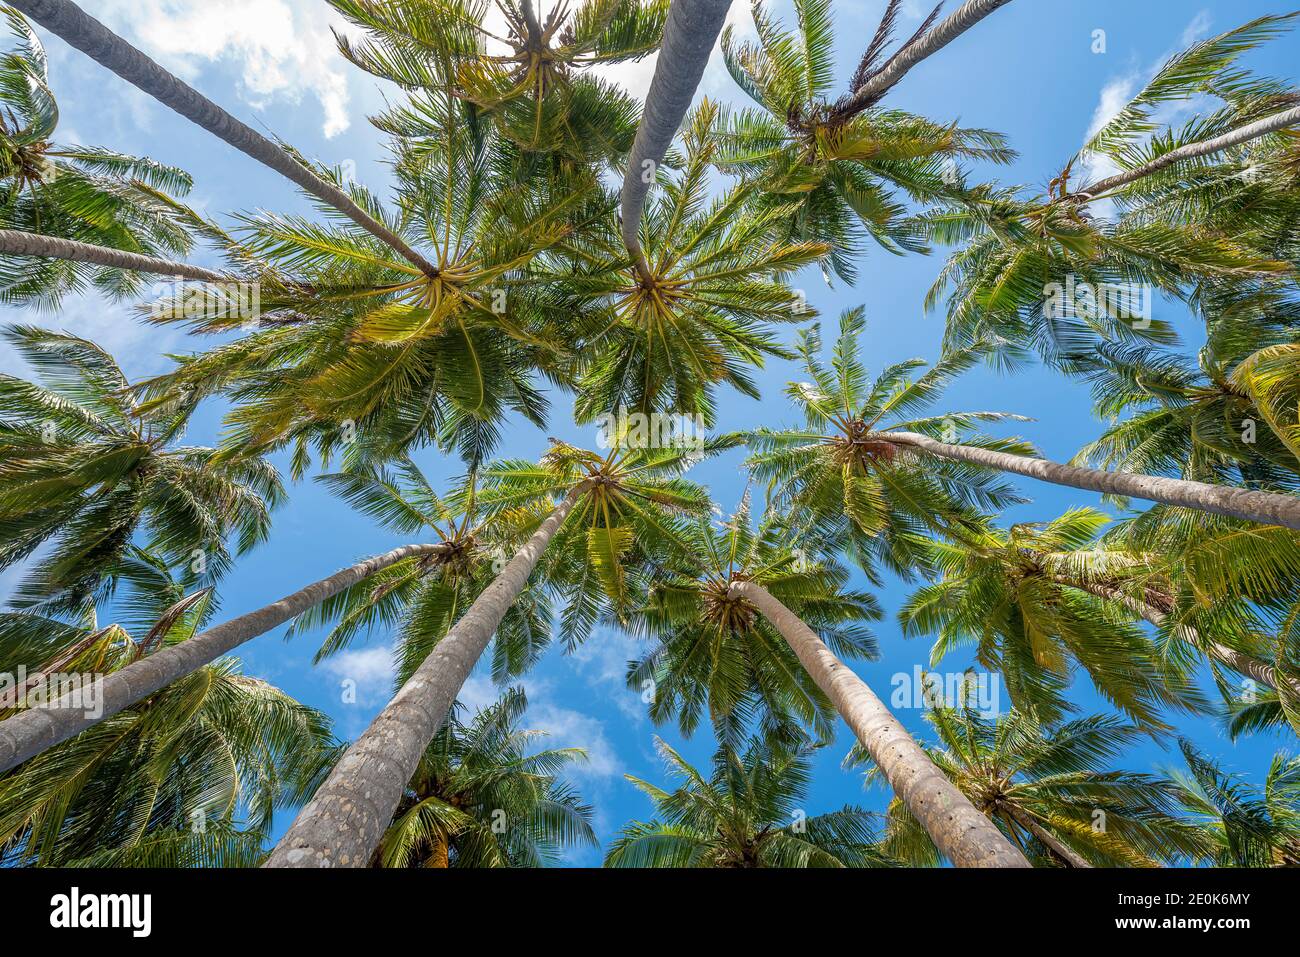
pixel 1029 71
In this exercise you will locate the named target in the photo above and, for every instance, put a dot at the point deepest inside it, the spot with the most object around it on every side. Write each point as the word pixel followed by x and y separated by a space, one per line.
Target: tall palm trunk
pixel 1267 508
pixel 1243 134
pixel 963 834
pixel 30 732
pixel 1053 843
pixel 928 44
pixel 16 243
pixel 690 32
pixel 346 819
pixel 1238 661
pixel 91 37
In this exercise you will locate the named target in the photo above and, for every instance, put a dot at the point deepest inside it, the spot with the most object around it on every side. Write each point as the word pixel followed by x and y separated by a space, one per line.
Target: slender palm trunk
pixel 346 819
pixel 1238 661
pixel 966 16
pixel 690 32
pixel 1243 134
pixel 16 243
pixel 92 38
pixel 1057 847
pixel 962 833
pixel 30 732
pixel 1267 508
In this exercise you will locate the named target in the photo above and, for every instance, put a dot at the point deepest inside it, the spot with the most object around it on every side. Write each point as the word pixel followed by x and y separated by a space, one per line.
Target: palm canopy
pixel 836 164
pixel 1050 790
pixel 1041 274
pixel 1247 826
pixel 482 796
pixel 702 317
pixel 83 193
pixel 747 813
pixel 840 471
pixel 714 654
pixel 535 82
pixel 86 470
pixel 188 777
pixel 1014 595
pixel 421 598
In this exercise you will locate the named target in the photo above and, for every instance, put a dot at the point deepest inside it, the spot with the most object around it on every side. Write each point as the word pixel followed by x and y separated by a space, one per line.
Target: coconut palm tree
pixel 622 506
pixel 482 797
pixel 711 655
pixel 189 776
pixel 87 34
pixel 1248 826
pixel 539 89
pixel 837 163
pixel 1048 788
pixel 747 813
pixel 85 468
pixel 1019 597
pixel 701 316
pixel 83 196
pixel 877 496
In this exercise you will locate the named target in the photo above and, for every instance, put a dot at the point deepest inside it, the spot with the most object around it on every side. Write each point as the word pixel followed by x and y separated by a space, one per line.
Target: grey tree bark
pixel 1267 508
pixel 16 243
pixel 962 833
pixel 1243 134
pixel 91 37
pixel 939 36
pixel 1062 850
pixel 30 732
pixel 690 32
pixel 346 819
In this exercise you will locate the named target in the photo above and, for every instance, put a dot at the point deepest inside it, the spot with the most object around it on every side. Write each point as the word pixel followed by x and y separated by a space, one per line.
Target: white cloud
pixel 280 49
pixel 371 668
pixel 567 728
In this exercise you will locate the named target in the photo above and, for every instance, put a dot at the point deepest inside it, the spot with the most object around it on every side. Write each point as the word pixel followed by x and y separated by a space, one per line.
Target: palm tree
pixel 91 37
pixel 482 798
pixel 539 91
pixel 700 316
pixel 835 162
pixel 1248 827
pixel 837 474
pixel 1048 789
pixel 74 197
pixel 747 813
pixel 690 31
pixel 1018 597
pixel 84 468
pixel 190 775
pixel 623 504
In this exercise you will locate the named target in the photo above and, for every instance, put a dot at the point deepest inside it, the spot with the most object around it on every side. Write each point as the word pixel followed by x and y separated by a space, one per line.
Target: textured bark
pixel 1061 850
pixel 1243 134
pixel 690 32
pixel 30 732
pixel 1267 508
pixel 95 40
pixel 1238 661
pixel 346 819
pixel 962 833
pixel 939 36
pixel 16 243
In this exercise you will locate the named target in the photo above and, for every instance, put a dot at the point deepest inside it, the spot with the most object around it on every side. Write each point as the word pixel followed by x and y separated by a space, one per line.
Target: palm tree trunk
pixel 690 32
pixel 91 37
pixel 30 732
pixel 1054 844
pixel 1243 134
pixel 934 40
pixel 963 834
pixel 346 819
pixel 1267 508
pixel 16 243
pixel 1238 661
